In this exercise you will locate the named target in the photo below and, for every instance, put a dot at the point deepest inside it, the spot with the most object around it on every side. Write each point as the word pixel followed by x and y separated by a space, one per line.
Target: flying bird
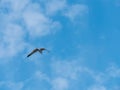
pixel 37 50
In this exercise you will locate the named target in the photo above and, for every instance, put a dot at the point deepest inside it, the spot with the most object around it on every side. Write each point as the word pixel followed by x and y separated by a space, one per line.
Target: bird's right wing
pixel 35 50
pixel 42 49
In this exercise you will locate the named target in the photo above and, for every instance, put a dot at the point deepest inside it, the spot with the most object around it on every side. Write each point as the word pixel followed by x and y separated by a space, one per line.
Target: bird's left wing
pixel 35 50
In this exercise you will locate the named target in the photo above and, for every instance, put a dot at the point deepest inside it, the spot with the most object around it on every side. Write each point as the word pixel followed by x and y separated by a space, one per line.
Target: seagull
pixel 37 50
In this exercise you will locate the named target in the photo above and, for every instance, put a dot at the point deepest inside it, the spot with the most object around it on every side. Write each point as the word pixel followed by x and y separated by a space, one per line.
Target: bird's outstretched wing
pixel 35 50
pixel 42 49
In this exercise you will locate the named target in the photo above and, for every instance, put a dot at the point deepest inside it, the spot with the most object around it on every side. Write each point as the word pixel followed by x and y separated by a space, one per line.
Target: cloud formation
pixel 60 84
pixel 54 6
pixel 22 18
pixel 77 11
pixel 73 72
pixel 37 23
pixel 12 40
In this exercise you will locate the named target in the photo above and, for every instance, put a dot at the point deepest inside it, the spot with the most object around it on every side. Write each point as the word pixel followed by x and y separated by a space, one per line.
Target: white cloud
pixel 66 69
pixel 113 71
pixel 15 5
pixel 24 16
pixel 12 33
pixel 104 77
pixel 76 11
pixel 12 41
pixel 60 84
pixel 38 24
pixel 100 78
pixel 53 6
pixel 40 75
pixel 73 72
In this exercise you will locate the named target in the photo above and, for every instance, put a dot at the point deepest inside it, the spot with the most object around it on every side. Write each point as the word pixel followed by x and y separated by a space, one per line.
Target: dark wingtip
pixel 28 55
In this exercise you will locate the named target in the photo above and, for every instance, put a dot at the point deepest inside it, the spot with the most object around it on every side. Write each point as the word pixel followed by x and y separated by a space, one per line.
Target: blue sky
pixel 82 36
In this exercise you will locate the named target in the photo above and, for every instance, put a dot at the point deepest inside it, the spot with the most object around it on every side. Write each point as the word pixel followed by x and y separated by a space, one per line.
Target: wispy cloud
pixel 73 72
pixel 64 73
pixel 38 80
pixel 54 6
pixel 66 69
pixel 40 75
pixel 38 24
pixel 12 40
pixel 60 83
pixel 11 85
pixel 77 11
pixel 114 71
